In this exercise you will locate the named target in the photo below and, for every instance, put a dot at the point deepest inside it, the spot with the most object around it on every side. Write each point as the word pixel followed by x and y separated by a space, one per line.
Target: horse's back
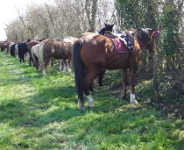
pixel 95 48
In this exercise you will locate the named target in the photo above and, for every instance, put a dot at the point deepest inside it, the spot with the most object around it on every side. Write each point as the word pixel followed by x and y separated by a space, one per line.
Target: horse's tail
pixel 79 68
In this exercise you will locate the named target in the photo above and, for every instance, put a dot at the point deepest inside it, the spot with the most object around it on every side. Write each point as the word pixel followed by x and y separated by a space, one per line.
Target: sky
pixel 9 10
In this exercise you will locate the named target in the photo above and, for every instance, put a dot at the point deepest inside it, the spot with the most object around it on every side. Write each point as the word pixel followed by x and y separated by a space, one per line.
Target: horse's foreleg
pixel 52 62
pixel 62 65
pixel 23 58
pixel 132 83
pixel 69 65
pixel 124 84
pixel 65 65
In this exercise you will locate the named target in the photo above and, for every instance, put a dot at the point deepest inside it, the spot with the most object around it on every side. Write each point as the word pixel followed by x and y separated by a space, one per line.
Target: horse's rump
pixel 57 49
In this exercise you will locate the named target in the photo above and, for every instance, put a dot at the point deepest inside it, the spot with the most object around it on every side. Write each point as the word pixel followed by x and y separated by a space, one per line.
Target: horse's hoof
pixel 44 73
pixel 135 102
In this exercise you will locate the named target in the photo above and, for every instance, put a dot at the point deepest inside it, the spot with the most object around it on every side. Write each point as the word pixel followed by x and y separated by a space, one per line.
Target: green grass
pixel 40 113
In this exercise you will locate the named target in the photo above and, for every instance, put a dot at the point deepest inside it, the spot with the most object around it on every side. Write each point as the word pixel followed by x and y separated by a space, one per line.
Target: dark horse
pixel 22 50
pixel 93 54
pixel 108 27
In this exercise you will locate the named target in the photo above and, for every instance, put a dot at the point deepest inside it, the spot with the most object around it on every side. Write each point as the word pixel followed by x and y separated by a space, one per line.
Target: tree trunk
pixel 155 74
pixel 91 11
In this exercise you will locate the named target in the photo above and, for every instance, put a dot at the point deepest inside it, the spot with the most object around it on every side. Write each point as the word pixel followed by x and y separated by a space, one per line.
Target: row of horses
pixel 41 52
pixel 92 54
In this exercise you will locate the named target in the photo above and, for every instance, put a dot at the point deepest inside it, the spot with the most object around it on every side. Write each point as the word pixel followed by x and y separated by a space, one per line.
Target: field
pixel 40 113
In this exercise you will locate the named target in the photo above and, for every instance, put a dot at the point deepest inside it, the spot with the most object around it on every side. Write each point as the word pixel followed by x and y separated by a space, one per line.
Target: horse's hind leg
pixel 44 65
pixel 60 64
pixel 81 100
pixel 92 74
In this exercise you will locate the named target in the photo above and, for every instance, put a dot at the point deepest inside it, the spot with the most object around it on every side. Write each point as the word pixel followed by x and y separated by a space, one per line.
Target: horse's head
pixel 146 38
pixel 108 27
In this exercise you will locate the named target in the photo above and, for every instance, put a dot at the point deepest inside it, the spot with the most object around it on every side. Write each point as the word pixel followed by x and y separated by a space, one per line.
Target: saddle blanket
pixel 123 43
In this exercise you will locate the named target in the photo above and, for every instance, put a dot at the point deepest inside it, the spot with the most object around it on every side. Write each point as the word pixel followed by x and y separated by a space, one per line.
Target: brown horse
pixel 93 54
pixel 4 45
pixel 57 50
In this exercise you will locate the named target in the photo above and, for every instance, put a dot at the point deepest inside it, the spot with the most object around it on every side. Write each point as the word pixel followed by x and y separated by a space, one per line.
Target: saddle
pixel 123 41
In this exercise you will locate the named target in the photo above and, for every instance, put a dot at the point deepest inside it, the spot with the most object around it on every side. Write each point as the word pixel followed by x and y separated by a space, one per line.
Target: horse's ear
pixel 105 24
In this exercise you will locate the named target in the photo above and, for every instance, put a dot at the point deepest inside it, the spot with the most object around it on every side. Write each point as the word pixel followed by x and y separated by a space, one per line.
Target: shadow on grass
pixel 49 105
pixel 11 109
pixel 18 81
pixel 128 128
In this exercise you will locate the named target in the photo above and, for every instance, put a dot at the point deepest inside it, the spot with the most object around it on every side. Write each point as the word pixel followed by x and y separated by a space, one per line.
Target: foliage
pixel 61 19
pixel 168 61
pixel 138 13
pixel 170 22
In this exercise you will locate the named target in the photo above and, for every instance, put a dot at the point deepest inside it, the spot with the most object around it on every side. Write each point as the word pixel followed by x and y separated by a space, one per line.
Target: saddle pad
pixel 119 46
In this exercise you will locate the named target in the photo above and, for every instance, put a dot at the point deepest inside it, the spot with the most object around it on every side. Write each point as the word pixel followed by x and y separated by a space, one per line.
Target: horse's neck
pixel 110 35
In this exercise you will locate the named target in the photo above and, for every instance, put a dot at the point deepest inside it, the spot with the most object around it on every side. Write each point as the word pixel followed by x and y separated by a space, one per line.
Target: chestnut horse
pixel 51 49
pixel 4 45
pixel 93 54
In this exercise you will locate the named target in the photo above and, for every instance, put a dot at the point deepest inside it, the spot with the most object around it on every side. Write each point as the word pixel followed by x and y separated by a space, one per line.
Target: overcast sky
pixel 9 11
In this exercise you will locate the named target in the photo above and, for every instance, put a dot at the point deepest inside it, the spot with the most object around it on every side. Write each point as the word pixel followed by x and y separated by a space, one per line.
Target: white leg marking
pixel 64 68
pixel 44 72
pixel 132 99
pixel 80 105
pixel 60 67
pixel 90 101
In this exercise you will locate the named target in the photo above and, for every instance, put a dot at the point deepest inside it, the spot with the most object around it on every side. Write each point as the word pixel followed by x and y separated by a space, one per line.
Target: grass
pixel 40 113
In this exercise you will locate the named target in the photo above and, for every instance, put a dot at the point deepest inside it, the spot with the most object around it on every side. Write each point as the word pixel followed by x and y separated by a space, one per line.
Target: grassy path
pixel 39 113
